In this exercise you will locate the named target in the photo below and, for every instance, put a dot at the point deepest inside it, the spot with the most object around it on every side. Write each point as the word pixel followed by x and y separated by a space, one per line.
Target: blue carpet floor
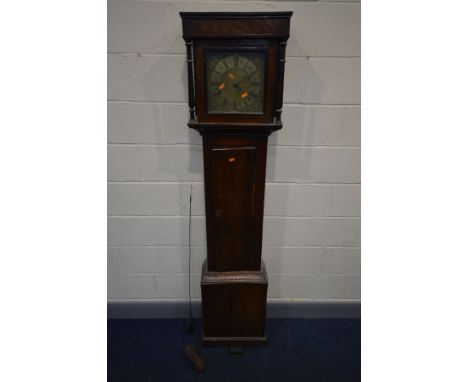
pixel 298 350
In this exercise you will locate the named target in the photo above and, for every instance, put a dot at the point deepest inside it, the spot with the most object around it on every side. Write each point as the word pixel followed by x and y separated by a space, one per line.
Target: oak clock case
pixel 235 63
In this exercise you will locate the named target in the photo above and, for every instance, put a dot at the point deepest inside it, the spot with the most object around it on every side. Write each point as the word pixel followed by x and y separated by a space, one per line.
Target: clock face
pixel 235 82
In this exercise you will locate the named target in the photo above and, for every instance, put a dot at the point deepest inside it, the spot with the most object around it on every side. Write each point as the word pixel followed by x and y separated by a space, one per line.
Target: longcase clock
pixel 235 64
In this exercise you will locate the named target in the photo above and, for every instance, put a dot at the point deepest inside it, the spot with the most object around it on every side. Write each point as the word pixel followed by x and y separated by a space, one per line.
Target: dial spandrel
pixel 235 82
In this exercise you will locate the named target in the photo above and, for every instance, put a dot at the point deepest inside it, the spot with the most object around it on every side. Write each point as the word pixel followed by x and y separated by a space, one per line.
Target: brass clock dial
pixel 235 82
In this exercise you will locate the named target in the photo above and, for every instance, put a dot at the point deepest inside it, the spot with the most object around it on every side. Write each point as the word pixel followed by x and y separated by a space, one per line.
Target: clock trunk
pixel 234 196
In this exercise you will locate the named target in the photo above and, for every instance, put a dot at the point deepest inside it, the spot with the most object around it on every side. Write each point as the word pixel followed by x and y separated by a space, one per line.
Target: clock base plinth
pixel 234 307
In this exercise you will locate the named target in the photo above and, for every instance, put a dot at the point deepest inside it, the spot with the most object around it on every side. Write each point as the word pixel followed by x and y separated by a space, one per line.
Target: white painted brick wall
pixel 312 202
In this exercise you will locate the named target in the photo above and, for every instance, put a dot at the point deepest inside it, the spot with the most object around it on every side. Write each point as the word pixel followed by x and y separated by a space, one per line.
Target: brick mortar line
pixel 269 274
pixel 204 246
pixel 302 299
pixel 266 216
pixel 201 182
pixel 284 103
pixel 203 216
pixel 200 145
pixel 149 54
pixel 133 181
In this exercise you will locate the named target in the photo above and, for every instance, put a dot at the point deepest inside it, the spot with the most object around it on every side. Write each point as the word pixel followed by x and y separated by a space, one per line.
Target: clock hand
pixel 240 88
pixel 243 93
